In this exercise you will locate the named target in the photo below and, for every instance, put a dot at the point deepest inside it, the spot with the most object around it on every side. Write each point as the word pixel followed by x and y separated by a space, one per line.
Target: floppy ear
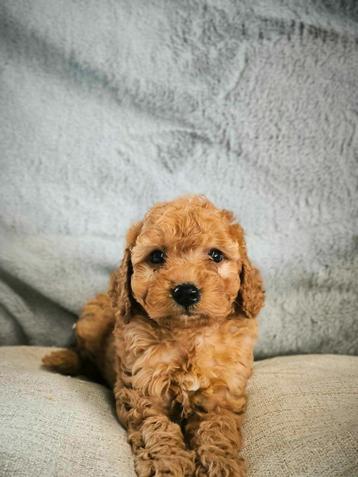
pixel 251 296
pixel 120 290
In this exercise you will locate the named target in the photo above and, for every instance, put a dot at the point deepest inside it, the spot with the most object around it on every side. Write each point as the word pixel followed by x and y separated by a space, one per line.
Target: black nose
pixel 186 294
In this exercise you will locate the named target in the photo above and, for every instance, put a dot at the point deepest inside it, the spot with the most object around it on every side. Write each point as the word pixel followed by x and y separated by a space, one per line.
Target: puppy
pixel 174 337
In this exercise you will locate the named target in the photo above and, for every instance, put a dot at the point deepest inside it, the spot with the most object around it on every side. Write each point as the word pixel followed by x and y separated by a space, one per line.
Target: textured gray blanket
pixel 107 107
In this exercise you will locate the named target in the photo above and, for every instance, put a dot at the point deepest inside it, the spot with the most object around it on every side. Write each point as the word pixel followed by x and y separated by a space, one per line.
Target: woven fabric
pixel 302 417
pixel 301 420
pixel 52 425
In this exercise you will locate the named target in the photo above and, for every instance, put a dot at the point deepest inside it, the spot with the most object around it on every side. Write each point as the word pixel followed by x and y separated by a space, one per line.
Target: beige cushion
pixel 302 417
pixel 52 425
pixel 301 420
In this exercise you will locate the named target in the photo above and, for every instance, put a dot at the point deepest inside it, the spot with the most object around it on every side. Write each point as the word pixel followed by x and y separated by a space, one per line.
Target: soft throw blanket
pixel 107 107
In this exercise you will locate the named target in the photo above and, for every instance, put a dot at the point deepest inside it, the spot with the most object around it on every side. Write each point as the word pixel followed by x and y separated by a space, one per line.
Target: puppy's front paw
pixel 216 465
pixel 169 463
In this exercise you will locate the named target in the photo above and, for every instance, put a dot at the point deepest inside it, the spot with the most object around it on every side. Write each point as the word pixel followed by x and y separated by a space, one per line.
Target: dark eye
pixel 157 256
pixel 216 255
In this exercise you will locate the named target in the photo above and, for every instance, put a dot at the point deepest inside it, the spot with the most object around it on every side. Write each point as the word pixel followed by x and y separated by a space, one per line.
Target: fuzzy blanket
pixel 107 107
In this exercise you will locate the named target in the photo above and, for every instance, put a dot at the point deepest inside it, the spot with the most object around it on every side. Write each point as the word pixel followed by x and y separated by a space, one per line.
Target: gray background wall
pixel 106 108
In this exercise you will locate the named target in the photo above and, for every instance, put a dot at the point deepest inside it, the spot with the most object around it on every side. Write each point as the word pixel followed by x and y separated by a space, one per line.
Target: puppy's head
pixel 186 261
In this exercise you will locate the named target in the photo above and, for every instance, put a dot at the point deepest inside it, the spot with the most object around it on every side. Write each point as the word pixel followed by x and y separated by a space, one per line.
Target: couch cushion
pixel 301 420
pixel 52 425
pixel 302 417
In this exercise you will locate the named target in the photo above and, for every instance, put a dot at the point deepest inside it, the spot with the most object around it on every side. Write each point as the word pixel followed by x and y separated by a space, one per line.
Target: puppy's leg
pixel 95 324
pixel 64 361
pixel 94 343
pixel 157 442
pixel 216 439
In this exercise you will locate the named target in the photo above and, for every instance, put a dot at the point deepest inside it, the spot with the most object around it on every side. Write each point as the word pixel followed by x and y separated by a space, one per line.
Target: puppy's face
pixel 186 262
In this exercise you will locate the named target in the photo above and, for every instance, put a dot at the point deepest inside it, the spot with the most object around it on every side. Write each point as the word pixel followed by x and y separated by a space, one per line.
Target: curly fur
pixel 179 378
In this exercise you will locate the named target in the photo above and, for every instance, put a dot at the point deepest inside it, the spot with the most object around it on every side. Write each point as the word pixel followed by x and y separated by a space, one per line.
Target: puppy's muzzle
pixel 186 294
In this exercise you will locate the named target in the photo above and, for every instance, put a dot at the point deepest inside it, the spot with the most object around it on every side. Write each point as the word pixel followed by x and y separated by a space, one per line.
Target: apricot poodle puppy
pixel 174 337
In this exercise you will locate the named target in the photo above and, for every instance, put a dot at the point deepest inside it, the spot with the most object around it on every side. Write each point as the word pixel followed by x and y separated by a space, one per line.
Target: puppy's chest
pixel 186 368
